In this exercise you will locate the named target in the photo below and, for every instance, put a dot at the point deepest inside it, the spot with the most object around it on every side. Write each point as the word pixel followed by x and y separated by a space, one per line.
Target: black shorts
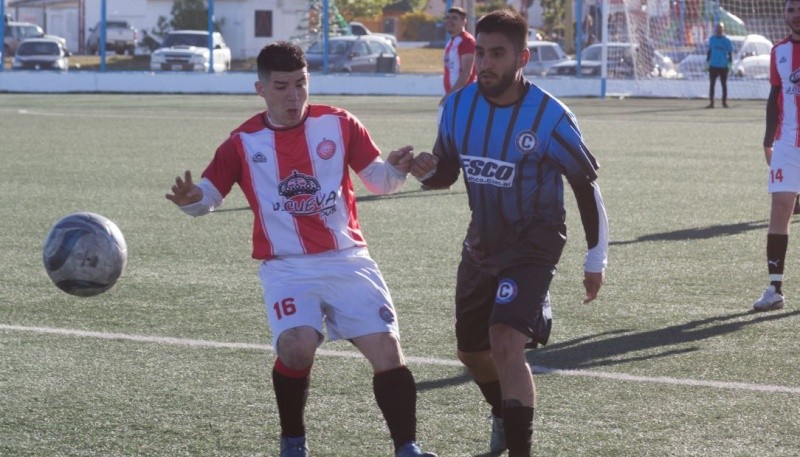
pixel 517 297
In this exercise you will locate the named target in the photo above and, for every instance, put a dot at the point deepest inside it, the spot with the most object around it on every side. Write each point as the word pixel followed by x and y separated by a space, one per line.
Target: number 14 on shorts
pixel 776 175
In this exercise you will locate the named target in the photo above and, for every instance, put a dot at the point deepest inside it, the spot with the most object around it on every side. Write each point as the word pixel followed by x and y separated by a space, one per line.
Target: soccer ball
pixel 85 254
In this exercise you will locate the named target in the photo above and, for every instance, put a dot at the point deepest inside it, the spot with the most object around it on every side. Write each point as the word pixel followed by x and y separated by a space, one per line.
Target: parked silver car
pixel 17 32
pixel 357 54
pixel 750 58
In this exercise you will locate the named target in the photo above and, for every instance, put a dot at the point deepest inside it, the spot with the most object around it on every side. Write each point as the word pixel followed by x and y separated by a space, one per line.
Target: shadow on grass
pixel 620 346
pixel 700 233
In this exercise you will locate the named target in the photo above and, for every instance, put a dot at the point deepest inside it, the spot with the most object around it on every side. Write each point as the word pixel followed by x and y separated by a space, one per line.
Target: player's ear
pixel 260 88
pixel 524 57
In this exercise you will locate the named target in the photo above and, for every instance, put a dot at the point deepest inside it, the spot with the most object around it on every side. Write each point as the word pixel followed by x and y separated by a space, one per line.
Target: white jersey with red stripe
pixel 461 44
pixel 785 72
pixel 297 180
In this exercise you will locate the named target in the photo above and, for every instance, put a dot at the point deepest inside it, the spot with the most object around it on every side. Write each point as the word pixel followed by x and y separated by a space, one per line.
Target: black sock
pixel 396 395
pixel 518 423
pixel 776 255
pixel 291 393
pixel 491 392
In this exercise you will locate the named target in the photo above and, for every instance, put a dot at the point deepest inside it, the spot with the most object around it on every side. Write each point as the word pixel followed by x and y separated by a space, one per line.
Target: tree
pixel 189 14
pixel 361 8
pixel 186 15
pixel 554 14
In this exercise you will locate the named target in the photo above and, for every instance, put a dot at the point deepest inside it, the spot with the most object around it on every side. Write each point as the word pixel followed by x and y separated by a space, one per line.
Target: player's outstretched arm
pixel 184 191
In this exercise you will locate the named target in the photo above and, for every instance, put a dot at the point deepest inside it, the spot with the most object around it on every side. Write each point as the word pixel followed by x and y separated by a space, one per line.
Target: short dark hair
pixel 509 23
pixel 279 56
pixel 458 10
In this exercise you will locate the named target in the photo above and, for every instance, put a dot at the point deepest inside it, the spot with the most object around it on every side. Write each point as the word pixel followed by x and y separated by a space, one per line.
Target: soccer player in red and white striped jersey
pixel 782 152
pixel 293 164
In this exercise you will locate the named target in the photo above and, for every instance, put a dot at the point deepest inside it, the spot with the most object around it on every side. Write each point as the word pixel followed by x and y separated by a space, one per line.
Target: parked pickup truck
pixel 357 28
pixel 187 50
pixel 120 37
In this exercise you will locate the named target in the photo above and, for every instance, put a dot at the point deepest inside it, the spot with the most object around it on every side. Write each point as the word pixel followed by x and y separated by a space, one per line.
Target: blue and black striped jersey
pixel 513 158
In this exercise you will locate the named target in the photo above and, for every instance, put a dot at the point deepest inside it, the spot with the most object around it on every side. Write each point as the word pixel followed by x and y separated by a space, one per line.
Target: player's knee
pixel 296 347
pixel 508 344
pixel 476 360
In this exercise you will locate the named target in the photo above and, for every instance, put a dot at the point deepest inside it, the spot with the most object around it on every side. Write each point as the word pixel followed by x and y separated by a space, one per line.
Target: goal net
pixel 661 45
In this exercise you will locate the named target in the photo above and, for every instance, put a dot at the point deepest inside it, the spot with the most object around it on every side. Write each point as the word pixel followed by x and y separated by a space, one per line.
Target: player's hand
pixel 768 154
pixel 185 192
pixel 423 164
pixel 592 282
pixel 401 158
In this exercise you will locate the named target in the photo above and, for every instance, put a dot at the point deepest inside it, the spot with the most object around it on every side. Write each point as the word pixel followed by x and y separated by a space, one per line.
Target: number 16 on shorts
pixel 283 308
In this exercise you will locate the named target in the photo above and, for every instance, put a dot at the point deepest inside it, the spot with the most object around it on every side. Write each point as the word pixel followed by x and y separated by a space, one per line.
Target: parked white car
pixel 544 54
pixel 187 50
pixel 621 63
pixel 41 54
pixel 750 58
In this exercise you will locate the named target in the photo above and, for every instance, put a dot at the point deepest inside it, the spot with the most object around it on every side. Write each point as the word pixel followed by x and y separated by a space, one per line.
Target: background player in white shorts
pixel 782 152
pixel 292 163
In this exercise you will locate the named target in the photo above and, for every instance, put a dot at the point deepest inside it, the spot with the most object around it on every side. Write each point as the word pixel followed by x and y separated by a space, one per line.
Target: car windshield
pixel 38 49
pixel 594 52
pixel 186 39
pixel 334 47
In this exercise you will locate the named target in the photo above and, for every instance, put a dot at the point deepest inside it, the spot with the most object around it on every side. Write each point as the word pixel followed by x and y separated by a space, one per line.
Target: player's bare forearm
pixel 184 191
pixel 768 154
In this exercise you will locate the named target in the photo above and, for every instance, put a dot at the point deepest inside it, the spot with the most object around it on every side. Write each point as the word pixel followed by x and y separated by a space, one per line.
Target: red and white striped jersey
pixel 297 180
pixel 461 44
pixel 785 72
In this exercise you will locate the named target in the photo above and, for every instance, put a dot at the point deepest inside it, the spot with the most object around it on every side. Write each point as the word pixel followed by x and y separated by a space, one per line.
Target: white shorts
pixel 342 289
pixel 784 169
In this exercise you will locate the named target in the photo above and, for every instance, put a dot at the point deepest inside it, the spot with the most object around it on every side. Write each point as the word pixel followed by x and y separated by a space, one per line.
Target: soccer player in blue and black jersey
pixel 514 143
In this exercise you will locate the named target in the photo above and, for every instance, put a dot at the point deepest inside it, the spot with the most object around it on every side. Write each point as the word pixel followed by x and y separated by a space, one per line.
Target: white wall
pixel 339 84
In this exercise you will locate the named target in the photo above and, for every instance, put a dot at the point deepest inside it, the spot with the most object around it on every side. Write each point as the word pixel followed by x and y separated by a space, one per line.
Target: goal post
pixel 653 43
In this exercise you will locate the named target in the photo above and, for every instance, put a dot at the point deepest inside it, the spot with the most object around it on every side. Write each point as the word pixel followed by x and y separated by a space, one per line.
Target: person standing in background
pixel 719 59
pixel 459 53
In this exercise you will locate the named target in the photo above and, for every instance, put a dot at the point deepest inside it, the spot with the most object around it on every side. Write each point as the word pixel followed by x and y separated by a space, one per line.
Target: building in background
pixel 247 25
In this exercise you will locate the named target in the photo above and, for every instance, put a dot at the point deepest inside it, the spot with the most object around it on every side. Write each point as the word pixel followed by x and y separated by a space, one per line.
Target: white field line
pixel 176 115
pixel 410 359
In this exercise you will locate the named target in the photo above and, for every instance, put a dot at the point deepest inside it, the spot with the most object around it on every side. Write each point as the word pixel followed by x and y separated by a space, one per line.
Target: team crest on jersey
pixel 795 77
pixel 526 142
pixel 302 196
pixel 386 314
pixel 326 149
pixel 259 158
pixel 506 291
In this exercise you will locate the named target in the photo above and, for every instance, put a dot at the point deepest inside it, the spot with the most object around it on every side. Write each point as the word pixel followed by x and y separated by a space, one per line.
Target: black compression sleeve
pixel 772 116
pixel 587 206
